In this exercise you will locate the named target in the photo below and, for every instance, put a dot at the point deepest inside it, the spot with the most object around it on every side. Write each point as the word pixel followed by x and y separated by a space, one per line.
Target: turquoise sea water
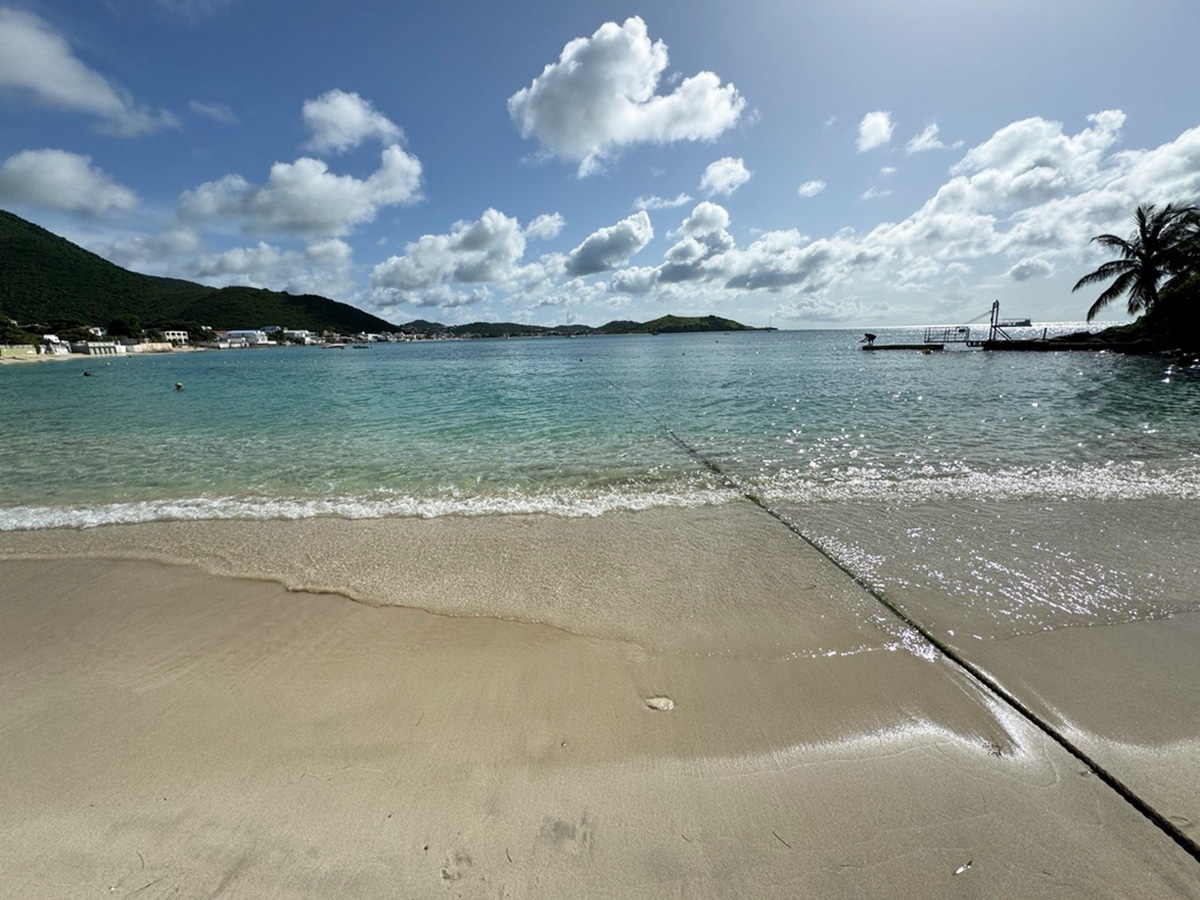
pixel 581 426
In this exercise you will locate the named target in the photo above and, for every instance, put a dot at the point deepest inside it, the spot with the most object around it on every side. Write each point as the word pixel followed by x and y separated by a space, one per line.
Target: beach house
pixel 245 338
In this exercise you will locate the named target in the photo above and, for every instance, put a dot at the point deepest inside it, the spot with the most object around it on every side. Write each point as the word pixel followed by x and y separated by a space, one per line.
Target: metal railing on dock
pixel 955 334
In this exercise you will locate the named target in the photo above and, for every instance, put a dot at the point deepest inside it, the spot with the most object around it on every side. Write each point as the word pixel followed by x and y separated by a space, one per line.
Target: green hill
pixel 675 324
pixel 45 278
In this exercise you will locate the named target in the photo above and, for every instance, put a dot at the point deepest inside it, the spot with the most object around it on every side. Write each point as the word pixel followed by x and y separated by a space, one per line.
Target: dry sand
pixel 12 357
pixel 197 729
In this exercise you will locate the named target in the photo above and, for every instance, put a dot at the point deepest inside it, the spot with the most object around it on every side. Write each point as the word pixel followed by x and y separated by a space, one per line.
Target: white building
pixel 246 338
pixel 97 348
pixel 53 345
pixel 175 337
pixel 300 336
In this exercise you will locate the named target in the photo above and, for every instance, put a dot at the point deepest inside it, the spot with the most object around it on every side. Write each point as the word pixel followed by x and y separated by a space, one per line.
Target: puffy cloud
pixel 241 265
pixel 811 188
pixel 601 96
pixel 706 218
pixel 1027 163
pixel 782 259
pixel 1035 144
pixel 610 247
pixel 37 63
pixel 157 254
pixel 875 130
pixel 724 176
pixel 653 202
pixel 331 252
pixel 1162 174
pixel 545 227
pixel 1029 268
pixel 341 121
pixel 305 198
pixel 322 268
pixel 683 262
pixel 637 280
pixel 485 250
pixel 56 179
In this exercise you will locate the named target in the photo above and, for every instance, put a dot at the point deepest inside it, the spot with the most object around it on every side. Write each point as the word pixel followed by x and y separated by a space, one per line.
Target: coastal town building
pixel 245 338
pixel 97 348
pixel 300 336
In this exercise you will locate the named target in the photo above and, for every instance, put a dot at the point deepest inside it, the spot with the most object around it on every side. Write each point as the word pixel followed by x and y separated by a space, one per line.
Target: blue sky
pixel 805 165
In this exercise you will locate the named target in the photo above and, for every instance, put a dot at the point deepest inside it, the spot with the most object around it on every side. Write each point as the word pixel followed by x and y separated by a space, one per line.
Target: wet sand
pixel 1087 611
pixel 183 714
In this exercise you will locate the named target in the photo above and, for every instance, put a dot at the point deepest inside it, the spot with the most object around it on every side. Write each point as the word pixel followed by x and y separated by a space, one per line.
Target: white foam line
pixel 566 504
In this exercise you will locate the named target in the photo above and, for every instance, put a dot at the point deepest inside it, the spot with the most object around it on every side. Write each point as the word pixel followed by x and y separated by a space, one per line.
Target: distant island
pixel 48 282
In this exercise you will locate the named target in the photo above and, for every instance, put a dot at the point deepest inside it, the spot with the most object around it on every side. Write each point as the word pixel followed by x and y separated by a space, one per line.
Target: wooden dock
pixel 921 347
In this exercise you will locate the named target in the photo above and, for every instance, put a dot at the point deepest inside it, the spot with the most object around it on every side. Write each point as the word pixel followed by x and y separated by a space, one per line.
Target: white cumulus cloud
pixel 875 130
pixel 602 96
pixel 1030 268
pixel 305 198
pixel 706 238
pixel 56 179
pixel 486 250
pixel 545 227
pixel 37 64
pixel 321 268
pixel 610 247
pixel 341 121
pixel 811 188
pixel 707 218
pixel 724 176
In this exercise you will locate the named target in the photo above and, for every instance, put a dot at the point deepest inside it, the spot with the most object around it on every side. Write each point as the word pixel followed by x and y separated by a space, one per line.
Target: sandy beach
pixel 676 703
pixel 15 357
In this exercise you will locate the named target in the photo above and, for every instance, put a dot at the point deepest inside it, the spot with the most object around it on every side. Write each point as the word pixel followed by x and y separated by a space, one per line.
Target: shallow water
pixel 579 427
pixel 993 493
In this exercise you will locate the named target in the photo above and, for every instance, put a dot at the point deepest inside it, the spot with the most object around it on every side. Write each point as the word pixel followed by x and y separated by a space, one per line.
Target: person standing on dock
pixel 868 339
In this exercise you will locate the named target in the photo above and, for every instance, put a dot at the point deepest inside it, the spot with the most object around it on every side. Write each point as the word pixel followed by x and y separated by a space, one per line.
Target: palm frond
pixel 1110 269
pixel 1115 290
pixel 1113 242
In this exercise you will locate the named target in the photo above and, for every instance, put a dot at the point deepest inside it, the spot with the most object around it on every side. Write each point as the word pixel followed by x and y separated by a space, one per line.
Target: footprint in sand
pixel 456 866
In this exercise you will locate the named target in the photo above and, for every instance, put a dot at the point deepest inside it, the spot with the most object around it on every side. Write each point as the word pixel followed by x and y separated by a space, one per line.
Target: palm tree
pixel 1161 249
